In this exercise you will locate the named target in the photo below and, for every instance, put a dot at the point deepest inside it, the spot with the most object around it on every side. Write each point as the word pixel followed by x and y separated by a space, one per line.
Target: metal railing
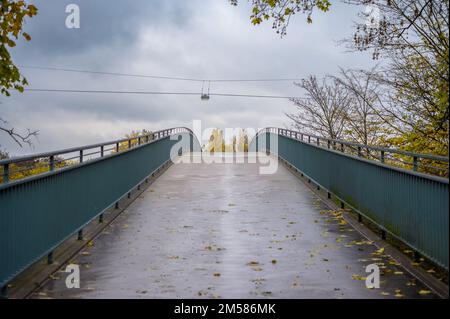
pixel 388 156
pixel 405 203
pixel 50 161
pixel 39 212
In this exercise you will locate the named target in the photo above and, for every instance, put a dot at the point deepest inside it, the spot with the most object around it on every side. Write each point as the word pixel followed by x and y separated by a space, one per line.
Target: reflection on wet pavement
pixel 224 231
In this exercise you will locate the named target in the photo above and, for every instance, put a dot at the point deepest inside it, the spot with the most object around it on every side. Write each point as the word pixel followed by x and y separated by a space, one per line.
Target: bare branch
pixel 19 138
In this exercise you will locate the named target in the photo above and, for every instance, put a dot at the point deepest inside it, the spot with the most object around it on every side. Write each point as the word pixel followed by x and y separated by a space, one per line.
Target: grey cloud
pixel 206 39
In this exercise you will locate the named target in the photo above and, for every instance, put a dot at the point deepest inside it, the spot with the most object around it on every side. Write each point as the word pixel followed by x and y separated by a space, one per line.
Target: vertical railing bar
pixel 52 163
pixel 5 173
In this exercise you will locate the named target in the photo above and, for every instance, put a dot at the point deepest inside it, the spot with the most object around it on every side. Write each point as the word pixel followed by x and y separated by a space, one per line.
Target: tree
pixel 413 38
pixel 12 17
pixel 416 106
pixel 216 142
pixel 418 26
pixel 364 125
pixel 413 35
pixel 281 11
pixel 242 141
pixel 324 110
pixel 134 139
pixel 29 168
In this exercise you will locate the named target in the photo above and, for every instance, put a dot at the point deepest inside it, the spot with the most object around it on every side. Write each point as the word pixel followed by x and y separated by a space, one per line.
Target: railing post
pixel 117 147
pixel 80 234
pixel 342 148
pixel 52 163
pixel 415 164
pixel 4 292
pixel 81 156
pixel 139 140
pixel 102 151
pixel 382 156
pixel 129 143
pixel 359 151
pixel 5 173
pixel 318 142
pixel 100 219
pixel 328 143
pixel 50 258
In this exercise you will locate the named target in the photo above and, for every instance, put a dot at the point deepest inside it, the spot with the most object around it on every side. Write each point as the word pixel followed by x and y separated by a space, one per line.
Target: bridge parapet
pixel 417 162
pixel 50 161
pixel 39 212
pixel 410 205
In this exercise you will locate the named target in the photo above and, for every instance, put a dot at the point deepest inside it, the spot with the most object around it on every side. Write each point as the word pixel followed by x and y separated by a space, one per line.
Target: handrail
pixel 51 157
pixel 333 143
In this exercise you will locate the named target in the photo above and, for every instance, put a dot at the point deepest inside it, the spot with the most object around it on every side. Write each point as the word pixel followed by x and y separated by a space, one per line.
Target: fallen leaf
pixel 358 277
pixel 253 263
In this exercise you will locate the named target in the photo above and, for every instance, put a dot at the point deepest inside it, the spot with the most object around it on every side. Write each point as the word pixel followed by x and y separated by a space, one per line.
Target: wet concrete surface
pixel 225 231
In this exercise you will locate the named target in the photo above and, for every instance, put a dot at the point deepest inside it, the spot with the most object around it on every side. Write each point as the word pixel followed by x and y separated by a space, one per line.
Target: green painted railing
pixel 39 212
pixel 409 205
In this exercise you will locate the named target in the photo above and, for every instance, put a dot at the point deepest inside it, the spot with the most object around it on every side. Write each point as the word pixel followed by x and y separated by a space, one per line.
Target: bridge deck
pixel 223 230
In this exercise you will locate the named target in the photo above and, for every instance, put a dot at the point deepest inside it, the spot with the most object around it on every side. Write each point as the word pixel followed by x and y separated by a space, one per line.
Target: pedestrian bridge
pixel 154 217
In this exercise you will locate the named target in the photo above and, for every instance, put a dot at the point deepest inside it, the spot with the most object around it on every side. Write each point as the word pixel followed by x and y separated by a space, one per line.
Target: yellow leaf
pixel 358 277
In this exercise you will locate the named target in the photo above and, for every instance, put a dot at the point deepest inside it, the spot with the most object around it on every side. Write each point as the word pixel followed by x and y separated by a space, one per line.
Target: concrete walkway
pixel 225 231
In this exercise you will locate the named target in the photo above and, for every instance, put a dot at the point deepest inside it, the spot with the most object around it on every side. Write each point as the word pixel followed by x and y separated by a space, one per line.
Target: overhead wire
pixel 159 93
pixel 176 78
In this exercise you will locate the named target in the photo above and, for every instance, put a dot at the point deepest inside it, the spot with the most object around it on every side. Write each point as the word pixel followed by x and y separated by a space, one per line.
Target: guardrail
pixel 39 212
pixel 388 156
pixel 50 161
pixel 409 205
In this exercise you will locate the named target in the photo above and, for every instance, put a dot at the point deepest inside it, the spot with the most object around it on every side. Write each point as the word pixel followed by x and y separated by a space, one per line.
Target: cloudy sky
pixel 197 38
